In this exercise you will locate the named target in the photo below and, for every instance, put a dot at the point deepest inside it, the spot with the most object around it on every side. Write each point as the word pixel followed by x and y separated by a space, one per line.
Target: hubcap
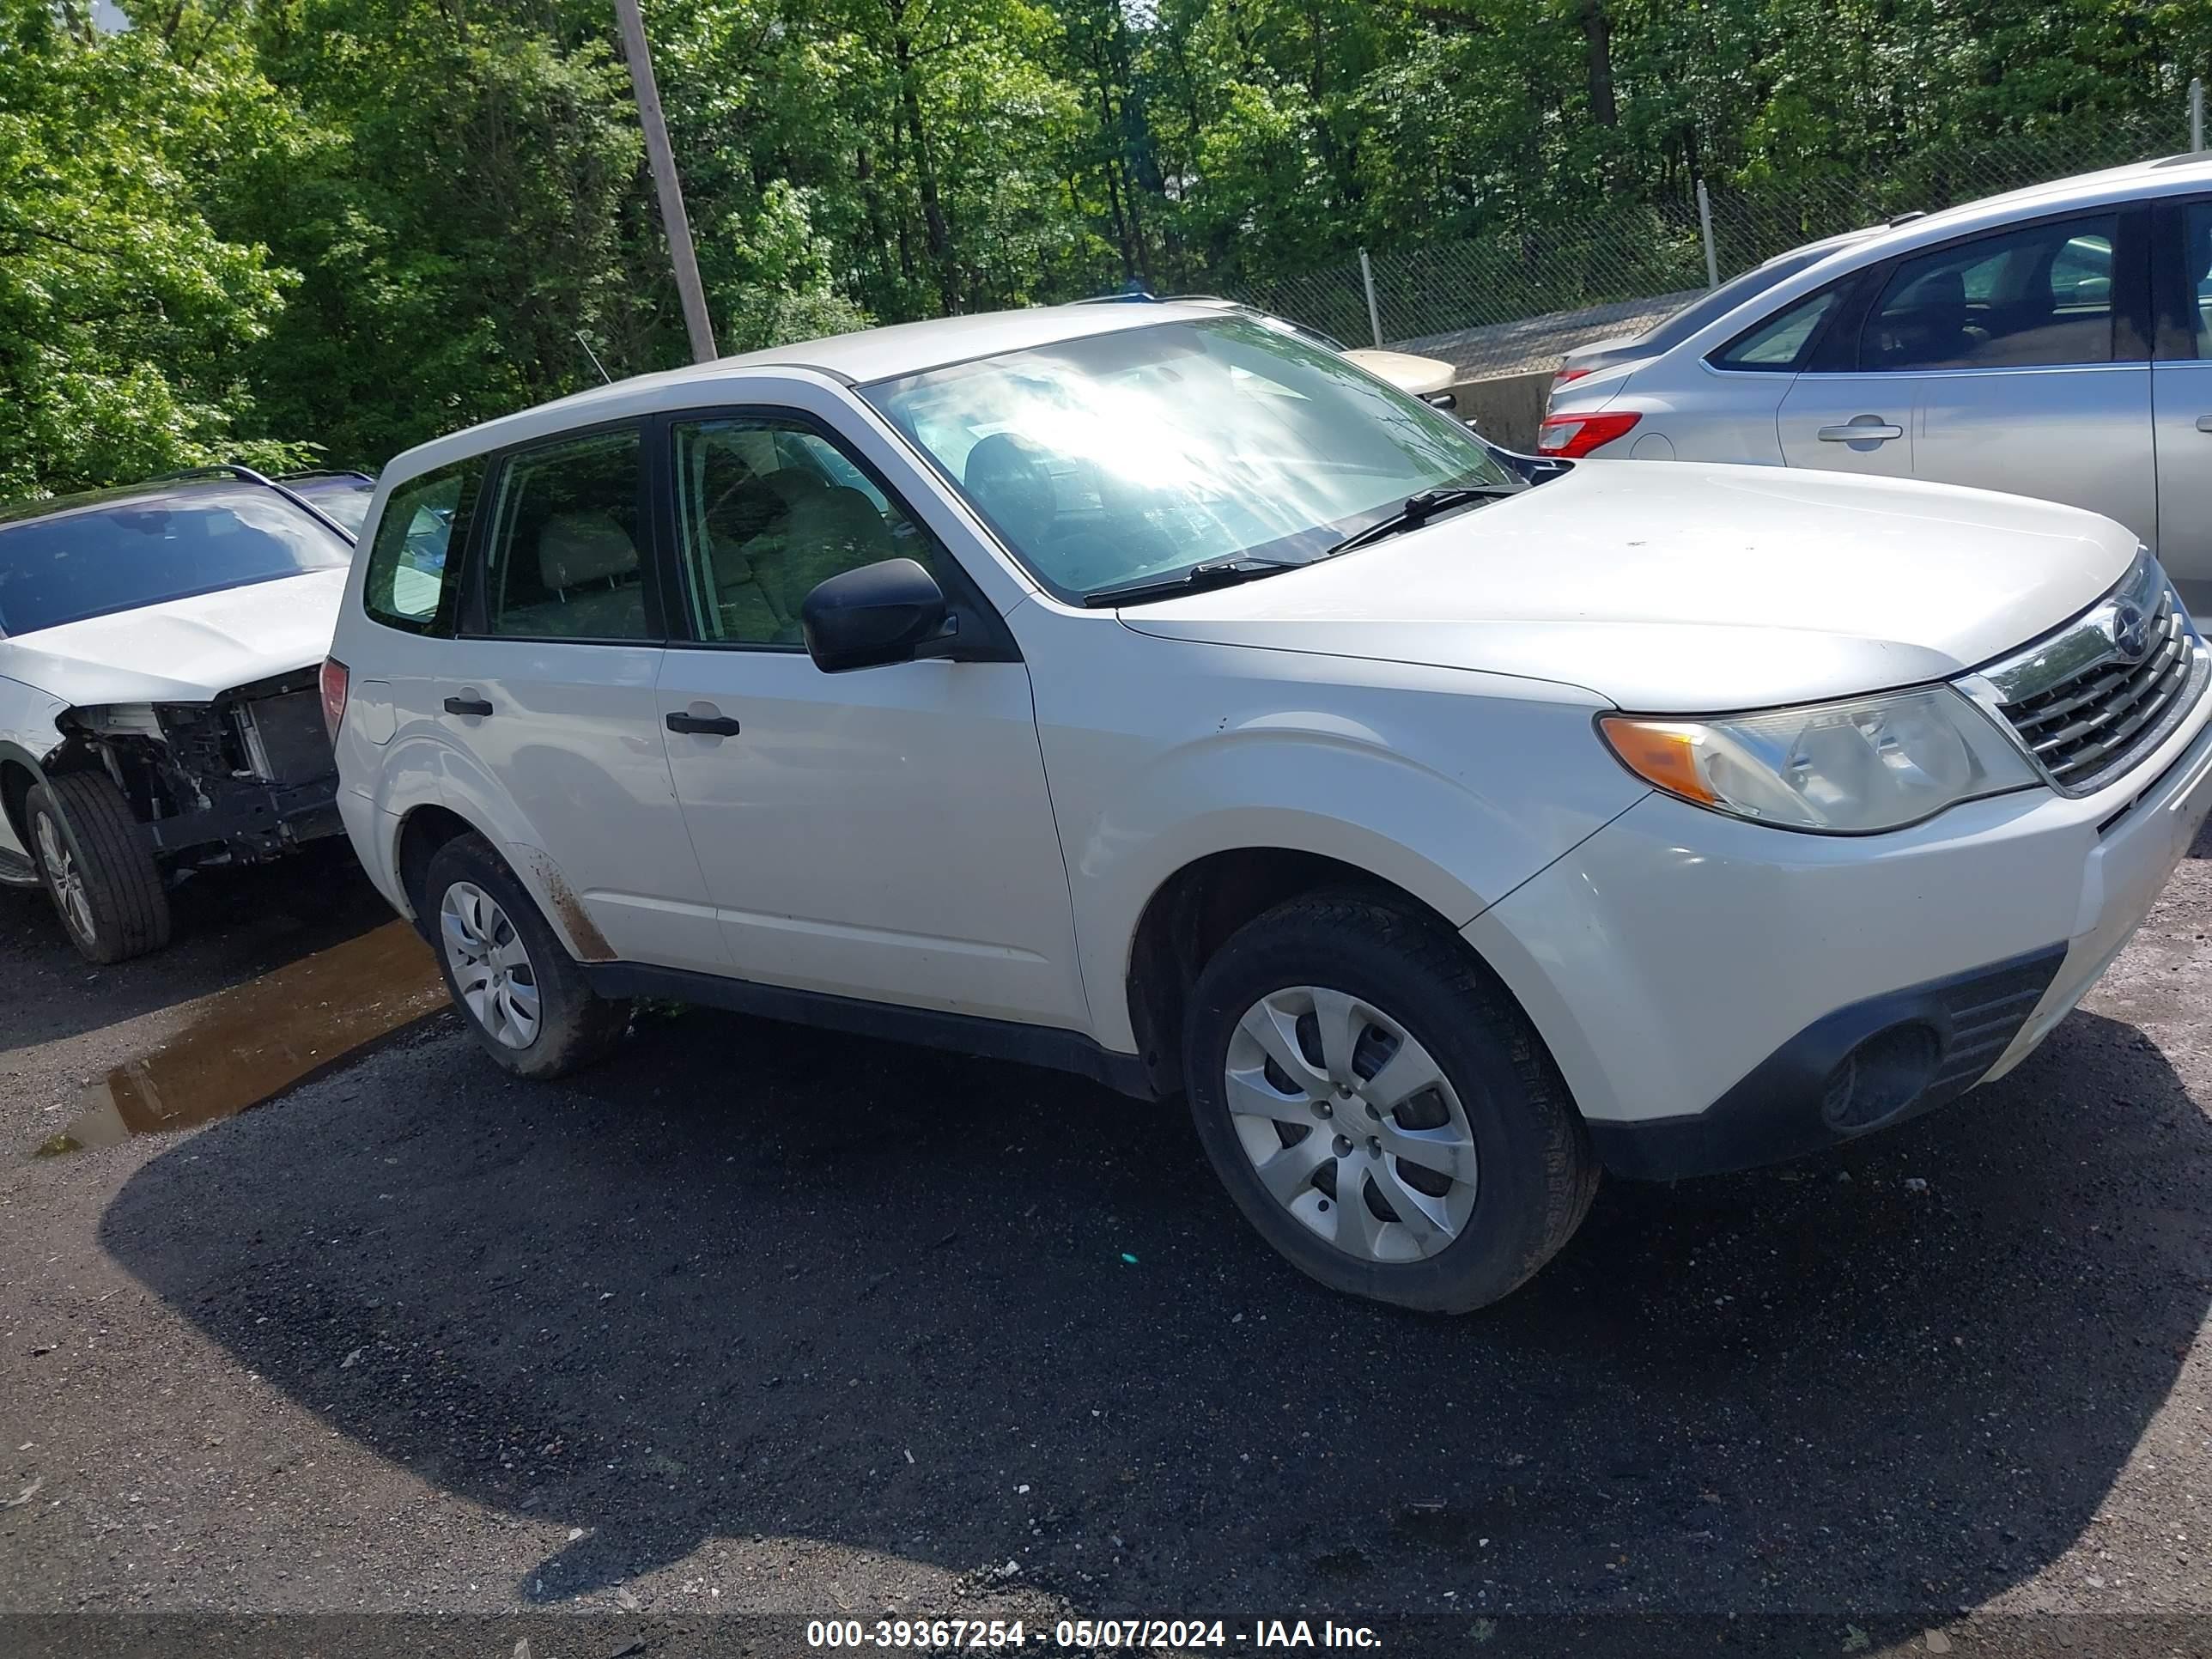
pixel 1351 1124
pixel 67 880
pixel 489 965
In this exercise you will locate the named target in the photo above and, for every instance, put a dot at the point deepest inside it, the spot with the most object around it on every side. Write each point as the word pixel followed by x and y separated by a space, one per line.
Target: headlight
pixel 1844 768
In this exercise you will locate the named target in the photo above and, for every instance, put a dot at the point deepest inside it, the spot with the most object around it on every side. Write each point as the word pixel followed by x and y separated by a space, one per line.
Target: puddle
pixel 257 1039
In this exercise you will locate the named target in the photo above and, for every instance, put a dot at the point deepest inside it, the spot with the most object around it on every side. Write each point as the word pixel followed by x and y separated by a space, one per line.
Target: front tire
pixel 98 869
pixel 1380 1108
pixel 521 995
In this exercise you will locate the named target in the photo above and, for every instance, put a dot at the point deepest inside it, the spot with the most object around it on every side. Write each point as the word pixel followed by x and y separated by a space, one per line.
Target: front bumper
pixel 1701 980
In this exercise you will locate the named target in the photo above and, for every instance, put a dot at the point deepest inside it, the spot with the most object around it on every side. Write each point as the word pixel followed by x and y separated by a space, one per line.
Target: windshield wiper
pixel 1222 572
pixel 1420 507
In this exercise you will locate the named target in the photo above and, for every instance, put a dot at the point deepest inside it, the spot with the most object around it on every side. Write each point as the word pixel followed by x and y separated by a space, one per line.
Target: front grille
pixel 2083 704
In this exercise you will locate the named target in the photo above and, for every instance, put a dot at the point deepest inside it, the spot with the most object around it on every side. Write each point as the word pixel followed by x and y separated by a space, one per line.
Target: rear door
pixel 2181 397
pixel 1837 414
pixel 884 833
pixel 547 696
pixel 2040 383
pixel 2013 360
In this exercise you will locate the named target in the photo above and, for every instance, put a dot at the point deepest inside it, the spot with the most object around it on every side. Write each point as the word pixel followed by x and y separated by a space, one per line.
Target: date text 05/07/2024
pixel 1085 1635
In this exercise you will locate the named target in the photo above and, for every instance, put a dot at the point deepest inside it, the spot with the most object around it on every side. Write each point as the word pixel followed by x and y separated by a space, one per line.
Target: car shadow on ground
pixel 230 925
pixel 746 1280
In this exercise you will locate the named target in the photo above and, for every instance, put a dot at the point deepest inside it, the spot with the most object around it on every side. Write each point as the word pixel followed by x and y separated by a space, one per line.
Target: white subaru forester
pixel 1143 691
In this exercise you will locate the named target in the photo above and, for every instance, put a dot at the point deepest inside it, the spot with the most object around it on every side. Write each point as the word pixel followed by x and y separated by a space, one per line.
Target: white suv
pixel 1143 691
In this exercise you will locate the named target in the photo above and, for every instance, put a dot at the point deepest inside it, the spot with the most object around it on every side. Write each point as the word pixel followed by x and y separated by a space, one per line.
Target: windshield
pixel 1141 453
pixel 95 561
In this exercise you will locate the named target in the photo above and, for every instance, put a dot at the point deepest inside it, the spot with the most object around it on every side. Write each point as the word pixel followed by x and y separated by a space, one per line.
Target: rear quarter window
pixel 414 577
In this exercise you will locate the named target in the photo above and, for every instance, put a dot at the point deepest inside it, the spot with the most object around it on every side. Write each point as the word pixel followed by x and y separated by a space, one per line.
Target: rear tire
pixel 98 868
pixel 513 982
pixel 1342 1049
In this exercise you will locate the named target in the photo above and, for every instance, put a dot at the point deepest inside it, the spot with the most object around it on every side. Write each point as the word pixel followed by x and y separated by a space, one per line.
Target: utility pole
pixel 673 219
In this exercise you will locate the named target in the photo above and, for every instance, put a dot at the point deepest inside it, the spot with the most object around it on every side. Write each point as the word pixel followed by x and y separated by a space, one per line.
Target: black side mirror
pixel 880 613
pixel 1440 400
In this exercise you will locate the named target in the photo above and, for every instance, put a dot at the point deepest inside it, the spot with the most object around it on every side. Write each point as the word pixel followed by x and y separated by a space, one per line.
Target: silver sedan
pixel 2056 342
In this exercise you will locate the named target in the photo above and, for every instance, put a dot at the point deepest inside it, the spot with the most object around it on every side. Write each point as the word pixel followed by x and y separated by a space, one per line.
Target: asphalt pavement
pixel 753 1322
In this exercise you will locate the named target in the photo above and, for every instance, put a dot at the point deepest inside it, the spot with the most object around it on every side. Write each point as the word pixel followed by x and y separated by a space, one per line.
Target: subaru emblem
pixel 2130 633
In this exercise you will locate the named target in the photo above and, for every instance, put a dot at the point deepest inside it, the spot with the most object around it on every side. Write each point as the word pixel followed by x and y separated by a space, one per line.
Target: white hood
pixel 185 650
pixel 1679 588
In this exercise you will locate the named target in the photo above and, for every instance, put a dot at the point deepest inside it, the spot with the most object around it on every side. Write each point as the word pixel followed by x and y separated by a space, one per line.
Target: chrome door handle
pixel 1853 432
pixel 2205 423
pixel 701 725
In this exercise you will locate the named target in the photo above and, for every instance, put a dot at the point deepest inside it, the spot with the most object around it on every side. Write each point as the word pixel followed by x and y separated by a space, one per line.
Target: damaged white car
pixel 159 646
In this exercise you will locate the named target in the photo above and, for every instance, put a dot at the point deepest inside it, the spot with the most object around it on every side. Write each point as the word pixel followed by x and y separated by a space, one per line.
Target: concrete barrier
pixel 1506 409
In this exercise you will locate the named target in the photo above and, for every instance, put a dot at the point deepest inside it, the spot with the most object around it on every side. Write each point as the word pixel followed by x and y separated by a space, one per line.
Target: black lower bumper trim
pixel 1927 1043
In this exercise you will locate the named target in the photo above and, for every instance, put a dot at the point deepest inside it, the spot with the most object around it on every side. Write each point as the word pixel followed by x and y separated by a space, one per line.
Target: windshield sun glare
pixel 1121 458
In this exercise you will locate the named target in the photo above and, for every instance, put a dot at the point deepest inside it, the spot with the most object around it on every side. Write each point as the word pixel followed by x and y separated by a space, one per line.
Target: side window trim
pixel 988 639
pixel 2135 322
pixel 1835 350
pixel 476 608
pixel 2129 304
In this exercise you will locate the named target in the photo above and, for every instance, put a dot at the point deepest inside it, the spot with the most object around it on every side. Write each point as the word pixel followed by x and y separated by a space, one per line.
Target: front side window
pixel 1779 342
pixel 767 509
pixel 562 563
pixel 2040 296
pixel 111 556
pixel 412 581
pixel 1137 454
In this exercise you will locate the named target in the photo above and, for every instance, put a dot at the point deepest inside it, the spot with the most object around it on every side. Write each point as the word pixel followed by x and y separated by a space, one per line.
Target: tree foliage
pixel 244 229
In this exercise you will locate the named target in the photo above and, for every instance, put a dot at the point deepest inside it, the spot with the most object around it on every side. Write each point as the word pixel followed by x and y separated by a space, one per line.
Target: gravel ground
pixel 751 1320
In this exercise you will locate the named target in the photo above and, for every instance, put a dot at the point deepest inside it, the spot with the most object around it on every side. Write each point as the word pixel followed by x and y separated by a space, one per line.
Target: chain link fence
pixel 1516 298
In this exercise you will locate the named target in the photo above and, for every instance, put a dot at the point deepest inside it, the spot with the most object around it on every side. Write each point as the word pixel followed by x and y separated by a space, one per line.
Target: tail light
pixel 1568 376
pixel 1571 436
pixel 334 695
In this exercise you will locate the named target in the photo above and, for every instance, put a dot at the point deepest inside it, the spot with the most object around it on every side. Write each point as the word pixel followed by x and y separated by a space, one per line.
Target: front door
pixel 883 834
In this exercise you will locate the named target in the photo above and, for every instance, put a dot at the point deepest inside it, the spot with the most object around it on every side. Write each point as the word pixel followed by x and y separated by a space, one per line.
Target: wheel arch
pixel 19 774
pixel 428 826
pixel 421 832
pixel 1194 911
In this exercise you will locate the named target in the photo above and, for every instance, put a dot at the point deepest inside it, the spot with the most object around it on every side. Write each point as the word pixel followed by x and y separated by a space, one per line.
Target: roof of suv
pixel 153 491
pixel 869 355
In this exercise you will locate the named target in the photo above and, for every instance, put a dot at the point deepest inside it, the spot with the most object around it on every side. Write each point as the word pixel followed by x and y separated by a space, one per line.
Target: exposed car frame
pixel 143 741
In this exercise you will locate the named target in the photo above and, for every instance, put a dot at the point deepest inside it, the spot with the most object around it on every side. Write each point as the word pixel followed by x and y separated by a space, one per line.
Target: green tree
pixel 128 322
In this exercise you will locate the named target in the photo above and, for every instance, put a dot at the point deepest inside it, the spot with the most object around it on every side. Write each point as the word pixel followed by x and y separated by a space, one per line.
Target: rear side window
pixel 414 578
pixel 562 562
pixel 1780 342
pixel 2040 296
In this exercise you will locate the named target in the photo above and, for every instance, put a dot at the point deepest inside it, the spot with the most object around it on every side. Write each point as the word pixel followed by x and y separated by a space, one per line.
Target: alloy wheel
pixel 1351 1125
pixel 490 966
pixel 75 904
